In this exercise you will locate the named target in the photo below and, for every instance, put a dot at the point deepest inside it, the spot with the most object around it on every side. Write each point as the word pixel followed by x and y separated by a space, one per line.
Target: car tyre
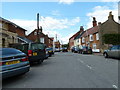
pixel 105 55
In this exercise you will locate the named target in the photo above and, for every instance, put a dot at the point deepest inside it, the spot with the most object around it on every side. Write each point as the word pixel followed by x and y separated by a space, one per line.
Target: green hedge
pixel 113 39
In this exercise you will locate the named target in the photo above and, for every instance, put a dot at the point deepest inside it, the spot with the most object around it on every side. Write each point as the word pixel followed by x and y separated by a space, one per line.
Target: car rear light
pixel 24 59
pixel 1 63
pixel 29 52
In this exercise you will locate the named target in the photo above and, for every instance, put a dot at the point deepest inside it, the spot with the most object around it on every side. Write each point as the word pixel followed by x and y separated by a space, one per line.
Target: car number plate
pixel 12 62
pixel 34 54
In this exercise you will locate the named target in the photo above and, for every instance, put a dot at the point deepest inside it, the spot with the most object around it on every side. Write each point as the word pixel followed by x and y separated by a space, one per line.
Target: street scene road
pixel 69 70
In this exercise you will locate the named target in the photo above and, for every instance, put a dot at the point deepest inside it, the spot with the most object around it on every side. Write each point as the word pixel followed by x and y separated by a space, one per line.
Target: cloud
pixel 51 26
pixel 66 1
pixel 101 13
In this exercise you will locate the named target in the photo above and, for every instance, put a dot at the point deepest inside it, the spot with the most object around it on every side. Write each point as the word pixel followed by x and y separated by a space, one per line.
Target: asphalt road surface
pixel 69 70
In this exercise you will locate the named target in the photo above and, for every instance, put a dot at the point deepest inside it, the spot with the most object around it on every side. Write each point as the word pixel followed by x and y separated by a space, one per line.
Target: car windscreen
pixel 37 46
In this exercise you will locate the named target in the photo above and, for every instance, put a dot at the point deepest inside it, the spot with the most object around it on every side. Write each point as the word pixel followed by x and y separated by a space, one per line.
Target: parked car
pixel 64 49
pixel 75 49
pixel 57 49
pixel 36 51
pixel 47 54
pixel 72 49
pixel 13 62
pixel 85 50
pixel 114 52
pixel 50 51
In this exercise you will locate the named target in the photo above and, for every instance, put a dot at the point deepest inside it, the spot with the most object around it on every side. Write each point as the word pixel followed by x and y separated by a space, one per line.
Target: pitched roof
pixel 77 37
pixel 24 39
pixel 9 22
pixel 91 31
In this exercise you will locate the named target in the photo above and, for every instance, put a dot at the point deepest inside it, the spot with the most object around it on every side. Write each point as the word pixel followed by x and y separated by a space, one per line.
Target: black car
pixel 35 51
pixel 13 62
pixel 86 50
pixel 75 49
pixel 64 49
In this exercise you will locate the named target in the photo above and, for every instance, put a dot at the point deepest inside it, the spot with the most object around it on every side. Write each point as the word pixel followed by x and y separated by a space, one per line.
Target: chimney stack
pixel 110 15
pixel 81 29
pixel 41 29
pixel 94 22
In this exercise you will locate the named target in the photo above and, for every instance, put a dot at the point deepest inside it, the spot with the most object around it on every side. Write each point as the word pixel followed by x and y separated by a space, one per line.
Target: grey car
pixel 114 52
pixel 13 62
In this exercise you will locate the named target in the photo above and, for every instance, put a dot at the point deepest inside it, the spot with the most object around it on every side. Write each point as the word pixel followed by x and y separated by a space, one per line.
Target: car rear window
pixel 7 51
pixel 37 46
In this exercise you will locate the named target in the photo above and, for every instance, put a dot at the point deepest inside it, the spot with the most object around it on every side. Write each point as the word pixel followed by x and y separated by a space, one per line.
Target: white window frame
pixel 35 33
pixel 97 36
pixel 42 40
pixel 91 37
pixel 83 39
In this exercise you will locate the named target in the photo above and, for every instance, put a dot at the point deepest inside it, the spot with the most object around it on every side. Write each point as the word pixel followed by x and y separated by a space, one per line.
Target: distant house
pixel 38 35
pixel 77 39
pixel 71 39
pixel 57 44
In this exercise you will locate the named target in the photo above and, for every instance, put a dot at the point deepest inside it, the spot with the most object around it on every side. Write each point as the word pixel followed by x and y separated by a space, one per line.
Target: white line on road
pixel 89 66
pixel 114 86
pixel 81 61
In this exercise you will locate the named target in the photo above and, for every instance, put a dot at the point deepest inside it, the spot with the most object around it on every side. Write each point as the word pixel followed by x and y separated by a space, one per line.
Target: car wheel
pixel 39 61
pixel 105 55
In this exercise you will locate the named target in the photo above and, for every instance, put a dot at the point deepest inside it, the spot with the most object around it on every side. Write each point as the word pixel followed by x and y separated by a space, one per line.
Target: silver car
pixel 114 52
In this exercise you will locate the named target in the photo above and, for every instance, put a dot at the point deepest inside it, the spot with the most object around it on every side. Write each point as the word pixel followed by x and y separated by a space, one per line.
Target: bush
pixel 113 39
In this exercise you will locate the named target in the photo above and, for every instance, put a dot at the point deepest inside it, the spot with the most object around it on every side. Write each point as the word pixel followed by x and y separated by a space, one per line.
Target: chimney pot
pixel 81 28
pixel 94 22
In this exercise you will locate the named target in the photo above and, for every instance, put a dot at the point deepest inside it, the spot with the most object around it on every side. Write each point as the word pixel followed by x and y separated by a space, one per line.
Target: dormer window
pixel 91 37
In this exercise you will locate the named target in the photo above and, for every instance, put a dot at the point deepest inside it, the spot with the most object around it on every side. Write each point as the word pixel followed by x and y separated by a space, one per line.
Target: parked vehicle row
pixel 82 50
pixel 17 60
pixel 63 49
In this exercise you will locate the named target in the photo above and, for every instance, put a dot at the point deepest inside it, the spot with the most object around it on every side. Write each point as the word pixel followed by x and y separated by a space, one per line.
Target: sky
pixel 62 17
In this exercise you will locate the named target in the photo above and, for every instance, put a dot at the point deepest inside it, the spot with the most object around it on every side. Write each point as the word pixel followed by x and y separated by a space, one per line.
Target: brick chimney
pixel 81 29
pixel 94 22
pixel 110 16
pixel 41 29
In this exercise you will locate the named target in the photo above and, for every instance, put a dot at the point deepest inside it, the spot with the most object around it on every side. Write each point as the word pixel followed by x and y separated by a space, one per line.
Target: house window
pixel 78 40
pixel 94 45
pixel 35 33
pixel 91 37
pixel 0 25
pixel 13 39
pixel 83 40
pixel 97 36
pixel 49 40
pixel 3 42
pixel 42 40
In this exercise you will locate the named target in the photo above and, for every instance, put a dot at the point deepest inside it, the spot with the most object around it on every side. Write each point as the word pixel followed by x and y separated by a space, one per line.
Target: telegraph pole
pixel 38 27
